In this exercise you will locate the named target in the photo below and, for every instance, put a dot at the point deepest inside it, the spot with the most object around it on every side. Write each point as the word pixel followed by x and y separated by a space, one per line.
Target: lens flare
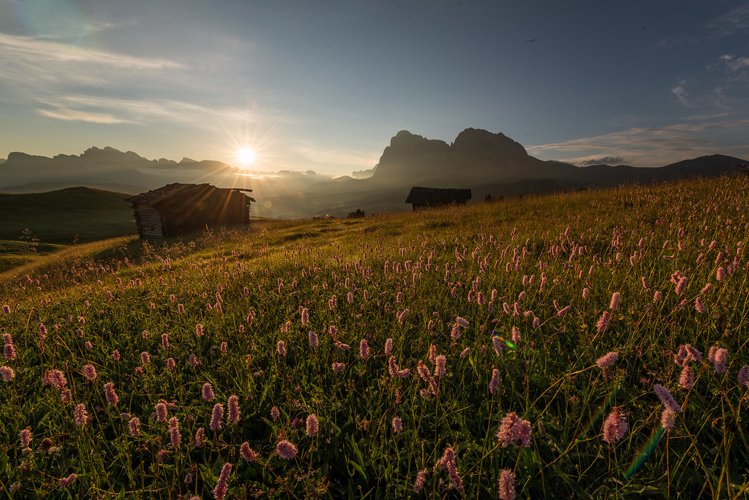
pixel 644 452
pixel 507 342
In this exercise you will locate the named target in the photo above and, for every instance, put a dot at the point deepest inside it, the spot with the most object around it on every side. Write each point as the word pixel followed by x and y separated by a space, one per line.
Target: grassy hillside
pixel 541 338
pixel 58 216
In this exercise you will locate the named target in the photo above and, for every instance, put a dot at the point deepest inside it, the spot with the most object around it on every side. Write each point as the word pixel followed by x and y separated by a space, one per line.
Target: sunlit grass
pixel 405 277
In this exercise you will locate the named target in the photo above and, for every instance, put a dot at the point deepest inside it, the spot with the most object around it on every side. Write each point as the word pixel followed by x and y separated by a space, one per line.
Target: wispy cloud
pixel 735 63
pixel 647 146
pixel 73 115
pixel 680 92
pixel 731 23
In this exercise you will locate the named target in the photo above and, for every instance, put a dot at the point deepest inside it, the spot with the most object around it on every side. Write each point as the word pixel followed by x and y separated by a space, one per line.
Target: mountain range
pixel 488 163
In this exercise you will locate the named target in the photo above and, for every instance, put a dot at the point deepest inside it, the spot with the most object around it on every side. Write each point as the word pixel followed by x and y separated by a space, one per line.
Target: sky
pixel 323 85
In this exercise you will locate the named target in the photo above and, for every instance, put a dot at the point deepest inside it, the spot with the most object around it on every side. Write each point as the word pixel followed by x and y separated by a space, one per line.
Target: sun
pixel 246 156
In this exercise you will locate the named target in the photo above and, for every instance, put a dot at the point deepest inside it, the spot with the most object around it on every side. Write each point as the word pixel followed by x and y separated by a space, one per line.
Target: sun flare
pixel 246 156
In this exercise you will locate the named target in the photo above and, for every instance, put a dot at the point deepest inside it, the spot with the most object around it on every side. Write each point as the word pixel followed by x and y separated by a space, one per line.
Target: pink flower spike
pixel 615 426
pixel 286 450
pixel 507 485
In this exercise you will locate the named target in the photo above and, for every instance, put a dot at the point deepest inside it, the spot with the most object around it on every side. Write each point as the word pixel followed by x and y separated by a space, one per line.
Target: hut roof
pixel 426 195
pixel 157 196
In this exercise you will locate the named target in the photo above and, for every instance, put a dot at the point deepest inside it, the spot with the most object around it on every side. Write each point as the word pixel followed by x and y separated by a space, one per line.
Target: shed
pixel 177 209
pixel 425 197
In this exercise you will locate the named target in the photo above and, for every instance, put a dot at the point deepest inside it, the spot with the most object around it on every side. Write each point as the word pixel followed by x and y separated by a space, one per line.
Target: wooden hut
pixel 177 209
pixel 424 197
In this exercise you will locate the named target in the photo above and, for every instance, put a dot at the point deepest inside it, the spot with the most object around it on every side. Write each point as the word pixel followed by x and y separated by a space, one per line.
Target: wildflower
pixel 423 371
pixel 514 430
pixel 698 305
pixel 56 379
pixel 432 353
pixel 6 309
pixel 66 396
pixel 80 415
pixel 440 366
pixel 110 394
pixel 338 367
pixel 720 274
pixel 666 398
pixel 586 293
pixel 116 355
pixel 607 360
pixel 603 322
pixel 515 334
pixel 312 340
pixel 233 404
pixel 388 346
pixel 24 438
pixel 455 333
pixel 193 361
pixel 614 301
pixel 563 311
pixel 134 426
pixel 64 482
pixel 181 308
pixel 536 323
pixel 305 316
pixel 170 364
pixel 668 418
pixel 506 485
pixel 275 414
pixel 281 348
pixel 462 322
pixel 363 349
pixel 494 382
pixel 88 345
pixel 681 285
pixel 421 478
pixel 397 425
pixel 199 330
pixel 216 415
pixel 312 424
pixel 165 341
pixel 615 426
pixel 465 352
pixel 207 392
pixel 247 452
pixel 448 462
pixel 743 377
pixel 286 449
pixel 174 436
pixel 7 373
pixel 199 437
pixel 497 345
pixel 657 296
pixel 222 486
pixel 686 379
pixel 720 360
pixel 161 411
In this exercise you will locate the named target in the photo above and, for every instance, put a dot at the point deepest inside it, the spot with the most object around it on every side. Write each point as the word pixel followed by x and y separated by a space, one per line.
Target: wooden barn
pixel 177 209
pixel 424 197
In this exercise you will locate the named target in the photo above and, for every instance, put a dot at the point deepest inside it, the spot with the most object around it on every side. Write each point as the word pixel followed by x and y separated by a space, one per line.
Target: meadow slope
pixel 589 344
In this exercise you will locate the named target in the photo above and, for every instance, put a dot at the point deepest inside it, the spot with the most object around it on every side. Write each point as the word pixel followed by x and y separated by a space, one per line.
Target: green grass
pixel 67 215
pixel 539 254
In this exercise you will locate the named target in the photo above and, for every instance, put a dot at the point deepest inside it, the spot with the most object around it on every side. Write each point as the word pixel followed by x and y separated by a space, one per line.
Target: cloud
pixel 731 23
pixel 81 116
pixel 680 92
pixel 651 146
pixel 734 63
pixel 605 160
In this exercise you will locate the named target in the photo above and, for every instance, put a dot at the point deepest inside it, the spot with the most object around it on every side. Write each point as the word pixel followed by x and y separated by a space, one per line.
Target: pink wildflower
pixel 193 361
pixel 698 305
pixel 666 398
pixel 312 340
pixel 494 382
pixel 199 330
pixel 720 274
pixel 686 379
pixel 161 411
pixel 614 301
pixel 170 364
pixel 421 478
pixel 134 426
pixel 207 392
pixel 199 437
pixel 222 486
pixel 24 438
pixel 64 482
pixel 165 341
pixel 388 346
pixel 607 360
pixel 247 453
pixel 507 485
pixel 116 355
pixel 363 349
pixel 234 412
pixel 89 371
pixel 497 345
pixel 174 436
pixel 110 394
pixel 462 322
pixel 80 415
pixel 615 426
pixel 275 414
pixel 216 416
pixel 145 358
pixel 312 424
pixel 338 367
pixel 465 352
pixel 281 348
pixel 6 309
pixel 720 360
pixel 563 311
pixel 7 373
pixel 681 285
pixel 440 366
pixel 668 418
pixel 603 322
pixel 743 377
pixel 397 425
pixel 286 449
pixel 305 316
pixel 56 379
pixel 514 430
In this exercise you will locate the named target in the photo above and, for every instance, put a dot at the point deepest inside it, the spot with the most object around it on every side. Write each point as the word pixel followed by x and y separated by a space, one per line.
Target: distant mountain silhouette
pixel 486 162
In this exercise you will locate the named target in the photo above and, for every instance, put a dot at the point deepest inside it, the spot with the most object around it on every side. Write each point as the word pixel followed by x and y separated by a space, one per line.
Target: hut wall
pixel 149 223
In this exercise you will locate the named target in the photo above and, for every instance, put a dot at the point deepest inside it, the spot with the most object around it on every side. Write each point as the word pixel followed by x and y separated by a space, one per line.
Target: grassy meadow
pixel 422 354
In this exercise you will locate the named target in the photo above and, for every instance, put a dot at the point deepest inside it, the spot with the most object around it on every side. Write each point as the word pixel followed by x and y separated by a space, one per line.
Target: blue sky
pixel 324 85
